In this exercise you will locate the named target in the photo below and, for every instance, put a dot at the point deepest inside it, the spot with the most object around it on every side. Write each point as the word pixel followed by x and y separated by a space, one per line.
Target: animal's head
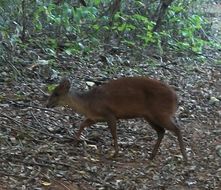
pixel 58 96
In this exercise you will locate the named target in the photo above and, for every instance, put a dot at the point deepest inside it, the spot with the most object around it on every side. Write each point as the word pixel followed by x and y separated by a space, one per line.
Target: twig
pixel 29 127
pixel 56 163
pixel 40 108
pixel 29 179
pixel 30 163
pixel 61 184
pixel 12 66
pixel 16 129
pixel 35 163
pixel 12 175
pixel 36 120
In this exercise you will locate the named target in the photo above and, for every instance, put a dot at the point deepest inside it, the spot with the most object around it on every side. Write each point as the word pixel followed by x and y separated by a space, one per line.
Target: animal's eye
pixel 56 94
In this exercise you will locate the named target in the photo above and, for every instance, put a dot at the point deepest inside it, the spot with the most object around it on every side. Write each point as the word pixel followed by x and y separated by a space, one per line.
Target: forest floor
pixel 35 155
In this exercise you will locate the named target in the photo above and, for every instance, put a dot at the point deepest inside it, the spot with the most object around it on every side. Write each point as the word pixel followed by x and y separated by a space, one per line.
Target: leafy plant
pixel 80 29
pixel 185 29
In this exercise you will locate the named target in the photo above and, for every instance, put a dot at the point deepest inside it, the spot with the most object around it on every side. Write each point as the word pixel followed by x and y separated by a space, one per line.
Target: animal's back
pixel 134 97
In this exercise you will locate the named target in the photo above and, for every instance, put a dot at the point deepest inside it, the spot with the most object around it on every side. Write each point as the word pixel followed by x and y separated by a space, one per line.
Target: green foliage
pixel 185 30
pixel 82 29
pixel 181 31
pixel 51 87
pixel 9 27
pixel 147 26
pixel 65 19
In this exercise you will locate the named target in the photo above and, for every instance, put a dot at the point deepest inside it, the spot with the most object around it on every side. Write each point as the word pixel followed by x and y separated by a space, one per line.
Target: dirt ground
pixel 36 151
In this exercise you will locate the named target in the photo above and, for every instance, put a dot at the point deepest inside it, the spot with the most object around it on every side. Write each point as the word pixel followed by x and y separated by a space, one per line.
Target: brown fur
pixel 130 97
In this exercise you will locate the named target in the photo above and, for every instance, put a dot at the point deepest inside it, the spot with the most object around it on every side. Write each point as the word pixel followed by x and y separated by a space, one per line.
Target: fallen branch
pixel 29 127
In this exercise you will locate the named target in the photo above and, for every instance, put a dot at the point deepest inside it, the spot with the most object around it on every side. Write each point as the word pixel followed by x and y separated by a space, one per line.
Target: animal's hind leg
pixel 177 132
pixel 171 126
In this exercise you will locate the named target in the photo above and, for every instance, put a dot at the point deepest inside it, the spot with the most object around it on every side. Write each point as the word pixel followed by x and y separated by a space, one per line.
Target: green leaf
pixel 51 87
pixel 131 43
pixel 96 26
pixel 140 18
pixel 96 2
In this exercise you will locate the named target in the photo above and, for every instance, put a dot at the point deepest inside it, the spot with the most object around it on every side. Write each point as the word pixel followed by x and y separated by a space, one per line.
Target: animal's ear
pixel 64 85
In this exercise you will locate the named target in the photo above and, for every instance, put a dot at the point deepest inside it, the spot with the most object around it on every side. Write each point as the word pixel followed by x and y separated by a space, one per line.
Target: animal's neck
pixel 77 101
